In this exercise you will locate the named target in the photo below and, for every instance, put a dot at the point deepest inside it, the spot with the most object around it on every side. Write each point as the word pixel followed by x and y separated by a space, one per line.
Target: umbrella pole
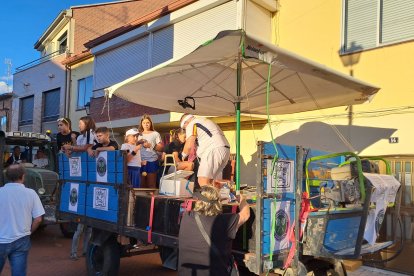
pixel 239 73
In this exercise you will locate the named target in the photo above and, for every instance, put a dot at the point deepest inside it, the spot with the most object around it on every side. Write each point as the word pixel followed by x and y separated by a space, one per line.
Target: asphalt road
pixel 50 252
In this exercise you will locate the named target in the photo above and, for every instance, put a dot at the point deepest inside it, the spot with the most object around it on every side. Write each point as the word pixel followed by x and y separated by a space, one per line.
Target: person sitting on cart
pixel 176 148
pixel 206 235
pixel 104 143
pixel 41 160
pixel 213 149
pixel 17 157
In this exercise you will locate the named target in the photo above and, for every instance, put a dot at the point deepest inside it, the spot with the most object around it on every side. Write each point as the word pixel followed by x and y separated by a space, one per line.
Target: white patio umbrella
pixel 228 76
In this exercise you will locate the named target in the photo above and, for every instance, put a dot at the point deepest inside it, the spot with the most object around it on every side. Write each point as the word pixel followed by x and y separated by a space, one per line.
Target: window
pixel 372 23
pixel 84 92
pixel 3 123
pixel 26 111
pixel 51 104
pixel 63 43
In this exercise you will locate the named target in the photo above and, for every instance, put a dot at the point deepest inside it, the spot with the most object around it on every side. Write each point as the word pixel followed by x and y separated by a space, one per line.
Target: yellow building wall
pixel 79 71
pixel 314 29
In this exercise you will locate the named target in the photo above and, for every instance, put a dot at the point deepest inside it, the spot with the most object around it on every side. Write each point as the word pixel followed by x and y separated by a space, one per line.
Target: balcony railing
pixel 40 60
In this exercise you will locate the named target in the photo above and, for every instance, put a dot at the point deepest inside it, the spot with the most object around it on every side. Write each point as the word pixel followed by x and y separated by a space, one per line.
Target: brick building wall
pixel 94 21
pixel 119 109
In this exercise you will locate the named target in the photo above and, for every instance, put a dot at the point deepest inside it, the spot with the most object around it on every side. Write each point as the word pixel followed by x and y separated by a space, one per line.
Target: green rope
pixel 275 158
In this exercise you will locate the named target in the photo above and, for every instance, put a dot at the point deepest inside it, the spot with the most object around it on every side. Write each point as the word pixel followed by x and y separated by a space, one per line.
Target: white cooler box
pixel 176 184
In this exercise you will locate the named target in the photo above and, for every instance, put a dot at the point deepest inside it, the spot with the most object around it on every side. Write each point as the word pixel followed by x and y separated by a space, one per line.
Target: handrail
pixel 359 166
pixel 39 60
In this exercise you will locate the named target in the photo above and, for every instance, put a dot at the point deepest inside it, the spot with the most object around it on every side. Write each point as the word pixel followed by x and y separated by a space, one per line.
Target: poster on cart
pixel 75 166
pixel 280 179
pixel 283 225
pixel 73 197
pixel 102 167
pixel 100 198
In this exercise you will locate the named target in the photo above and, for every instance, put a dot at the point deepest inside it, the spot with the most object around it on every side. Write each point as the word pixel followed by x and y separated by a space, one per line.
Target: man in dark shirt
pixel 196 256
pixel 17 157
pixel 104 143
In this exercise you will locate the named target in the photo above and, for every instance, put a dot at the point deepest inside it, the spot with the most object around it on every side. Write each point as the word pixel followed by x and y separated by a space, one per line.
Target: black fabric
pixel 195 256
pixel 172 147
pixel 111 143
pixel 65 139
pixel 14 159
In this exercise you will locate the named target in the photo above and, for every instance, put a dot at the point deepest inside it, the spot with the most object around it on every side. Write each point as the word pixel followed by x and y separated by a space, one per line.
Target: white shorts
pixel 213 163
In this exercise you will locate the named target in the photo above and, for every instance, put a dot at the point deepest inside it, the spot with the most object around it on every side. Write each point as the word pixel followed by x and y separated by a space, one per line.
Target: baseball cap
pixel 132 131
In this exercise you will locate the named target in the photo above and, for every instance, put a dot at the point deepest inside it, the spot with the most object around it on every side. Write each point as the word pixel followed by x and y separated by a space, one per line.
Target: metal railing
pixel 40 60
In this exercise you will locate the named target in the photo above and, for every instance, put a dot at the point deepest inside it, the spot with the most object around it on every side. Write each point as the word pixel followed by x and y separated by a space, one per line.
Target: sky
pixel 22 22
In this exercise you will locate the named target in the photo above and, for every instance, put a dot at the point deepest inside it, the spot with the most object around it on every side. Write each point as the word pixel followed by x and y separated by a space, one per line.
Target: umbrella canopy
pixel 209 76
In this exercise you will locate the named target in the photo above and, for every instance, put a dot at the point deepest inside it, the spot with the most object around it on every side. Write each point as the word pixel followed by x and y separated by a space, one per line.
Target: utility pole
pixel 8 63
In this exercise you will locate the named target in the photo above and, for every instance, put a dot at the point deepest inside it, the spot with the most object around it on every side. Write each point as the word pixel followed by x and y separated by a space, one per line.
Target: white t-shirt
pixel 209 135
pixel 18 205
pixel 149 154
pixel 41 163
pixel 83 139
pixel 136 160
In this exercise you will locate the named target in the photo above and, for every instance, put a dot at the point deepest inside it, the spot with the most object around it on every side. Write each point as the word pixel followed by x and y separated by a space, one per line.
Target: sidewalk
pixel 371 271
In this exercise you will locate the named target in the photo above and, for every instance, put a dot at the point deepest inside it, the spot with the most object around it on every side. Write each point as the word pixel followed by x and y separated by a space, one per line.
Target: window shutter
pixel 397 20
pixel 51 105
pixel 26 110
pixel 361 21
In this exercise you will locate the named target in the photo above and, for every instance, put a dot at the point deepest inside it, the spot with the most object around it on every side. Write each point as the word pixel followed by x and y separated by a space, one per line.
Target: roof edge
pixel 51 27
pixel 139 22
pixel 77 58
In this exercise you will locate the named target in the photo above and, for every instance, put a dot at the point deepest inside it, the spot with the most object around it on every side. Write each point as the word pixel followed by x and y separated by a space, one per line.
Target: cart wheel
pixel 103 260
pixel 68 229
pixel 169 257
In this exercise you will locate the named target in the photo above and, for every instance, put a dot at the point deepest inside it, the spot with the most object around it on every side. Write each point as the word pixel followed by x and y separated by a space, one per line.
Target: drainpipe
pixel 68 86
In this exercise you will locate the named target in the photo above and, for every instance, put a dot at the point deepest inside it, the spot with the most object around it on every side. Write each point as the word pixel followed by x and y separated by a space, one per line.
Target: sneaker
pixel 74 257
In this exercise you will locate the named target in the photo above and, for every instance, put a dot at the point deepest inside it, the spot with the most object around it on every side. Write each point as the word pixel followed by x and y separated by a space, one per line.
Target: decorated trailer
pixel 295 186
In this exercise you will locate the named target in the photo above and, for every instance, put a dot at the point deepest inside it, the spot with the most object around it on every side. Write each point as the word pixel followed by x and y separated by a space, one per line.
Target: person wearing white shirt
pixel 213 149
pixel 21 214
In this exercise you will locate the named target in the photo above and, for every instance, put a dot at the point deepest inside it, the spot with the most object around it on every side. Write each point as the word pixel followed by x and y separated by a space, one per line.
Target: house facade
pixel 170 32
pixel 372 40
pixel 43 88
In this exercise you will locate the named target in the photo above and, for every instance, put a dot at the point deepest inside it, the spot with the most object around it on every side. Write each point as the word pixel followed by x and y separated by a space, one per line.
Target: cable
pixel 397 253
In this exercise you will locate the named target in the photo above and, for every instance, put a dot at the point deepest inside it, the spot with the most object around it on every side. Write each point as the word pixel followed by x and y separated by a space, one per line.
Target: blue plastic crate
pixel 111 177
pixel 72 200
pixel 102 202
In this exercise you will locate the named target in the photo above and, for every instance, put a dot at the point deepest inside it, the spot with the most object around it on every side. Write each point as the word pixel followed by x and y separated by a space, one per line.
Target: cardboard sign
pixel 102 167
pixel 73 197
pixel 75 166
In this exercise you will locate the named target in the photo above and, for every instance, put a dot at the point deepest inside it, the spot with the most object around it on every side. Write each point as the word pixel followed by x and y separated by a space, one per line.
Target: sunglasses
pixel 62 120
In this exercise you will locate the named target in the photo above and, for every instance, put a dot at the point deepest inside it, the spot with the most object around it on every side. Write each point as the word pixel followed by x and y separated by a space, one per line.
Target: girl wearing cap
pixel 133 156
pixel 152 144
pixel 65 136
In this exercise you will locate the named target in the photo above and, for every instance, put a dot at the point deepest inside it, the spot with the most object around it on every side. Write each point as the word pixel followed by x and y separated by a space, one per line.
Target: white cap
pixel 185 119
pixel 132 131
